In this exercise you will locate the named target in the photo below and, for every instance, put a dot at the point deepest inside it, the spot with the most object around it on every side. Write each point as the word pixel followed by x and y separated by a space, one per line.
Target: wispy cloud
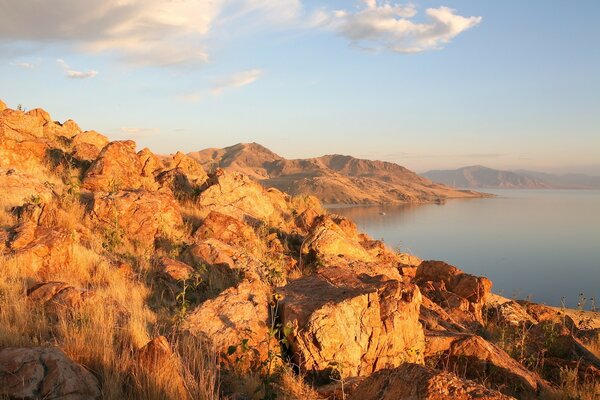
pixel 74 74
pixel 236 80
pixel 138 131
pixel 382 25
pixel 24 65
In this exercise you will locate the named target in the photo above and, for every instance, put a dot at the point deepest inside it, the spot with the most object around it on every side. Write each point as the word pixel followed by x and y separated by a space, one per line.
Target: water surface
pixel 544 244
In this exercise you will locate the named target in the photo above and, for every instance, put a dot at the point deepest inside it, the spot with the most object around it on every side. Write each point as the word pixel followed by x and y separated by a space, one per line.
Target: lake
pixel 541 244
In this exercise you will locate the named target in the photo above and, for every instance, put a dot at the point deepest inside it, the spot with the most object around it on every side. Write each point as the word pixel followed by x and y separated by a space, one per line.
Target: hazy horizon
pixel 432 85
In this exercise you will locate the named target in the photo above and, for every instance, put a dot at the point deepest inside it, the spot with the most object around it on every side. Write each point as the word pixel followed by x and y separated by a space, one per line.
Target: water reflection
pixel 539 243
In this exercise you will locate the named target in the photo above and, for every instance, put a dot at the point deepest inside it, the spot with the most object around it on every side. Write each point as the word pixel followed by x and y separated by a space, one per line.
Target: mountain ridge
pixel 333 178
pixel 481 177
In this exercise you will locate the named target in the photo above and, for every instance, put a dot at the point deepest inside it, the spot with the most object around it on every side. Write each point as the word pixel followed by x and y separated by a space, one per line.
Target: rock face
pixel 460 295
pixel 117 168
pixel 226 229
pixel 353 324
pixel 417 382
pixel 44 373
pixel 45 249
pixel 236 322
pixel 138 216
pixel 473 357
pixel 239 197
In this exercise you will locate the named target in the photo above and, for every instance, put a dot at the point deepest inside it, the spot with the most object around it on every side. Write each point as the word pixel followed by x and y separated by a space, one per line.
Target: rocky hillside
pixel 478 177
pixel 128 276
pixel 334 179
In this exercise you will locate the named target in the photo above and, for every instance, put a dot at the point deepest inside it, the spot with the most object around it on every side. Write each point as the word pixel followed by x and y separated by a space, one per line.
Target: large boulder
pixel 462 295
pixel 355 325
pixel 44 373
pixel 475 358
pixel 138 216
pixel 237 323
pixel 21 141
pixel 226 229
pixel 151 164
pixel 19 187
pixel 40 248
pixel 117 168
pixel 417 382
pixel 329 239
pixel 239 196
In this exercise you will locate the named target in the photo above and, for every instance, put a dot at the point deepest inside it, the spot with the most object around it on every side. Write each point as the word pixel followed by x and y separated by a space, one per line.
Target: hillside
pixel 478 177
pixel 334 179
pixel 124 275
pixel 565 181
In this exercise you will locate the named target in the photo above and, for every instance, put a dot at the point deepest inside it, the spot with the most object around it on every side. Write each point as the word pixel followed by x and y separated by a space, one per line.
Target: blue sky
pixel 509 84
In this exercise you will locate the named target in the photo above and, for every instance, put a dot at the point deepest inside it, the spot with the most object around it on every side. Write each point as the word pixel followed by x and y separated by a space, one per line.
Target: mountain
pixel 487 178
pixel 334 179
pixel 566 181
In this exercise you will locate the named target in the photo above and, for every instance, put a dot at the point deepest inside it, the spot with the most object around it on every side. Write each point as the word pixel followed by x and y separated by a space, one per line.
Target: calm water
pixel 539 243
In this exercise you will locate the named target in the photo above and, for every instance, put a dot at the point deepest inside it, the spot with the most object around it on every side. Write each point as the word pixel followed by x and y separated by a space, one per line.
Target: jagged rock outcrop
pixel 353 324
pixel 117 168
pixel 42 249
pixel 475 358
pixel 237 324
pixel 226 229
pixel 44 373
pixel 417 382
pixel 136 215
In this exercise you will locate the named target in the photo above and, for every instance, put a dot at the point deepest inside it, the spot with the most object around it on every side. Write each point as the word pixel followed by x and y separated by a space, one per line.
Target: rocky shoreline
pixel 127 275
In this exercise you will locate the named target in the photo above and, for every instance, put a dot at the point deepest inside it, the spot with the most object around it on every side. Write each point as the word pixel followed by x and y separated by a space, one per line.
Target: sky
pixel 426 84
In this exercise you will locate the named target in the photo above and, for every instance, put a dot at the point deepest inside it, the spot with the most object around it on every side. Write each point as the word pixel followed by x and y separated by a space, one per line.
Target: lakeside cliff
pixel 128 275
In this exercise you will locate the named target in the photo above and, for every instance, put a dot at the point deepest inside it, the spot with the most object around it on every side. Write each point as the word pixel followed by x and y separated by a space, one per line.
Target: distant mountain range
pixel 479 177
pixel 334 179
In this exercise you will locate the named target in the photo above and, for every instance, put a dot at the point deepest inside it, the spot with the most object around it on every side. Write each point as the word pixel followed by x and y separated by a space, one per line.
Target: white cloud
pixel 25 65
pixel 141 32
pixel 74 74
pixel 391 26
pixel 237 80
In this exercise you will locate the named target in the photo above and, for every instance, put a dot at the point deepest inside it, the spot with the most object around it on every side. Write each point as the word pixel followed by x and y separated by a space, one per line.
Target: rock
pixel 93 138
pixel 175 270
pixel 178 183
pixel 151 164
pixel 354 324
pixel 221 265
pixel 237 323
pixel 238 196
pixel 71 128
pixel 461 295
pixel 190 167
pixel 85 152
pixel 42 249
pixel 2 106
pixel 40 114
pixel 226 229
pixel 19 126
pixel 58 296
pixel 18 188
pixel 417 382
pixel 510 313
pixel 44 373
pixel 117 168
pixel 473 357
pixel 137 216
pixel 328 239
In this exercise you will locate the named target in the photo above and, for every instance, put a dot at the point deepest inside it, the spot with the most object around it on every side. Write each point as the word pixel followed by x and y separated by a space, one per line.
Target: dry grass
pixel 102 333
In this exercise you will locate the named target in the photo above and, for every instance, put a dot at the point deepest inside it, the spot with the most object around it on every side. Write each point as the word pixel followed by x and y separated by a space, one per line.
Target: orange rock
pixel 355 324
pixel 237 323
pixel 117 168
pixel 417 382
pixel 482 361
pixel 137 216
pixel 151 164
pixel 175 270
pixel 44 373
pixel 226 229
